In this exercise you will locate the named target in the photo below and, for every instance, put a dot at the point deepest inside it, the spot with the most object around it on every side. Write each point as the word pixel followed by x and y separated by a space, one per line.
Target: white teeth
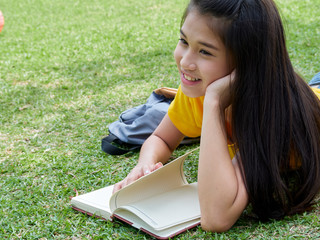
pixel 190 78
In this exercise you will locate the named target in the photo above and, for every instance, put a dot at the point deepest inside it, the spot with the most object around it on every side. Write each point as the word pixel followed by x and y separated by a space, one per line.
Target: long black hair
pixel 275 115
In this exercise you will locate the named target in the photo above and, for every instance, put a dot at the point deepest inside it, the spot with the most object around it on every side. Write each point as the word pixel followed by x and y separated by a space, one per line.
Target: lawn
pixel 68 68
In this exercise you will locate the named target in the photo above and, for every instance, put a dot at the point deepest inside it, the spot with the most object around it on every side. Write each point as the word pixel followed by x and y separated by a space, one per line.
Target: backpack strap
pixel 167 92
pixel 111 144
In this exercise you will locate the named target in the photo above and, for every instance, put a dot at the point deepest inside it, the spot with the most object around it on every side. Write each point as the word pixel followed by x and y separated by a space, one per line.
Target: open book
pixel 162 203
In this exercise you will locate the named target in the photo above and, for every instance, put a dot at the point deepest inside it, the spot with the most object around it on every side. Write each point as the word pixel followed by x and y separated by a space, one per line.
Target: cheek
pixel 177 54
pixel 218 70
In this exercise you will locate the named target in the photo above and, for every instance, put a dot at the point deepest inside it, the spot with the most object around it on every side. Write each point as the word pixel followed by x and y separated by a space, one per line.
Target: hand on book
pixel 136 173
pixel 135 204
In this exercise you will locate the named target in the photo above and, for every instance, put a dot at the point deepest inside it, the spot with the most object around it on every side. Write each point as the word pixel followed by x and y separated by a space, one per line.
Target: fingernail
pixel 147 172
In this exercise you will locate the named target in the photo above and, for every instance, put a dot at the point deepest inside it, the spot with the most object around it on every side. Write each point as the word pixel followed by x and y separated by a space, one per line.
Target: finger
pixel 117 186
pixel 233 74
pixel 157 166
pixel 147 170
pixel 125 182
pixel 133 176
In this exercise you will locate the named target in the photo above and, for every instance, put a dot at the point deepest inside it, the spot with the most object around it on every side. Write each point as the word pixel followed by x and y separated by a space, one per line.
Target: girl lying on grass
pixel 259 121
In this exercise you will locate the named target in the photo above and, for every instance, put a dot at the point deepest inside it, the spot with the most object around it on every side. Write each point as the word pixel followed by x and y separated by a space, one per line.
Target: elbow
pixel 218 226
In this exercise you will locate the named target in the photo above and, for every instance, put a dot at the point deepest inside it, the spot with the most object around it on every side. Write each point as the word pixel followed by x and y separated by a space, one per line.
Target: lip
pixel 186 81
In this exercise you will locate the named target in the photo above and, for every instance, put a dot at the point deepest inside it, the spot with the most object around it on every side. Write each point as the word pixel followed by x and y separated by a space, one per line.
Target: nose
pixel 187 61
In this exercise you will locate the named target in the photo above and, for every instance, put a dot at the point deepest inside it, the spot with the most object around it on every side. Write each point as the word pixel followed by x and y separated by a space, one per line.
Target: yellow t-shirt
pixel 186 114
pixel 316 91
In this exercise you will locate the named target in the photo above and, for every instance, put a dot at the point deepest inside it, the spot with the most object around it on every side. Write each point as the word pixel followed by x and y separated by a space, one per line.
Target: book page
pixel 160 234
pixel 166 209
pixel 94 203
pixel 162 180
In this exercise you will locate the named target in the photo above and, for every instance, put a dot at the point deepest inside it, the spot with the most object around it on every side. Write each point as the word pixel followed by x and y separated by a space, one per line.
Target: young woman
pixel 259 121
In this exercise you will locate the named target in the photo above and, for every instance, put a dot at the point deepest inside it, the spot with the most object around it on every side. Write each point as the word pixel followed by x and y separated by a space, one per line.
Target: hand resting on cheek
pixel 219 91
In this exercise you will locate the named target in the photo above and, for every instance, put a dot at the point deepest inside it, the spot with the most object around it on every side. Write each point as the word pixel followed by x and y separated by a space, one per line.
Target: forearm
pixel 217 178
pixel 154 150
pixel 160 145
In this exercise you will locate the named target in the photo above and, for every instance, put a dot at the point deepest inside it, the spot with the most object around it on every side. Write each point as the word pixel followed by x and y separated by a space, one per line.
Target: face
pixel 200 55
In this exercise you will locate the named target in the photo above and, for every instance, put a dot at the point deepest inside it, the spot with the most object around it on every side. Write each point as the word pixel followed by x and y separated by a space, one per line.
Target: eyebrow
pixel 202 43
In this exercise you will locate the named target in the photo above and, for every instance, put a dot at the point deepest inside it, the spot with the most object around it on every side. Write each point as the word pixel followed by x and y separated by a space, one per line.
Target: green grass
pixel 68 69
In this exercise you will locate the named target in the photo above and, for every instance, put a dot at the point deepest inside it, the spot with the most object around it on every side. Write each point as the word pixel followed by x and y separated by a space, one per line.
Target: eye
pixel 183 41
pixel 204 52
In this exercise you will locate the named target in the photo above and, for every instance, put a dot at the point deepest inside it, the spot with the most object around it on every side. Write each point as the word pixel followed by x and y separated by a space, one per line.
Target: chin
pixel 191 93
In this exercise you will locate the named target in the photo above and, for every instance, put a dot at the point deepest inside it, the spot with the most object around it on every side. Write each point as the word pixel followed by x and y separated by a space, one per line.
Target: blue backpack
pixel 135 125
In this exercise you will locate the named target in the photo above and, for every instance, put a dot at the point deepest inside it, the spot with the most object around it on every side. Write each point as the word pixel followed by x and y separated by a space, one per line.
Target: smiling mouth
pixel 190 78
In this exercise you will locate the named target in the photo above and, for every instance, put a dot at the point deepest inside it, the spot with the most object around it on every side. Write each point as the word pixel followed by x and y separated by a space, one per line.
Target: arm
pixel 155 151
pixel 222 193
